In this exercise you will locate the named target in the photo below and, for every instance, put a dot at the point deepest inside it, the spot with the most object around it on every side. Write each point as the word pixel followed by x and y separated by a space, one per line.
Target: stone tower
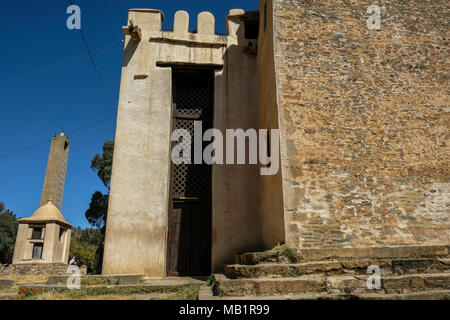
pixel 170 78
pixel 44 238
pixel 55 175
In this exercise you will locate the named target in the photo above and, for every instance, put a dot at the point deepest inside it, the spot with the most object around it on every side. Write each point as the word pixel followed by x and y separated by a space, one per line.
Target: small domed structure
pixel 43 238
pixel 47 213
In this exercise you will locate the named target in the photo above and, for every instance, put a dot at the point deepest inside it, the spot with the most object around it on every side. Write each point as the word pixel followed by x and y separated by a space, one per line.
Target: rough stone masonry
pixel 364 116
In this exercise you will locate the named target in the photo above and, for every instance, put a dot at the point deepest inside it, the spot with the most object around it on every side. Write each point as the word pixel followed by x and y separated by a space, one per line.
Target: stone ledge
pixel 426 295
pixel 192 39
pixel 129 279
pixel 375 252
pixel 4 284
pixel 319 284
pixel 432 251
pixel 171 281
pixel 54 268
pixel 148 11
pixel 269 286
pixel 280 270
pixel 354 266
pixel 206 293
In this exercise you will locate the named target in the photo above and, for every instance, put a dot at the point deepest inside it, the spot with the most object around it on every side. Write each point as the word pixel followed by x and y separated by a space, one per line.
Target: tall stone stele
pixel 55 175
pixel 43 238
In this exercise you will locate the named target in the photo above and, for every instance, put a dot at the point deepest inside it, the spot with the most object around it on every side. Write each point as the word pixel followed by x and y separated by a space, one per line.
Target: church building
pixel 363 120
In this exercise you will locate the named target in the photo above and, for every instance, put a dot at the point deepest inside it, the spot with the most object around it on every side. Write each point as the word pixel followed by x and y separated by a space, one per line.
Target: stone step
pixel 424 295
pixel 390 284
pixel 360 266
pixel 237 271
pixel 171 281
pixel 268 286
pixel 300 255
pixel 5 284
pixel 408 266
pixel 319 284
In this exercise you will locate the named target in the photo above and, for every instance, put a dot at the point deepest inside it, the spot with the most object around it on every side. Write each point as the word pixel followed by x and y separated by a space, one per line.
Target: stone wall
pixel 364 118
pixel 55 269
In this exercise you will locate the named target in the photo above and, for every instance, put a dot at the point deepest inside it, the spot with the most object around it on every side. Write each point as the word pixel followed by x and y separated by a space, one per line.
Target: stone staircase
pixel 421 271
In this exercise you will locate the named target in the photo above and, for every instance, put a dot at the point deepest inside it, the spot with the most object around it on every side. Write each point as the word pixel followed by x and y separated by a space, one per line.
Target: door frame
pixel 194 68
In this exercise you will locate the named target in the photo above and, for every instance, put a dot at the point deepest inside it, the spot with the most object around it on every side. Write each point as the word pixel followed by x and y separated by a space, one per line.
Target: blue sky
pixel 47 82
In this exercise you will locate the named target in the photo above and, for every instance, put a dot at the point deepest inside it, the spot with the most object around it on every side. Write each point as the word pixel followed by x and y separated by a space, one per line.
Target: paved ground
pixel 157 283
pixel 173 281
pixel 206 294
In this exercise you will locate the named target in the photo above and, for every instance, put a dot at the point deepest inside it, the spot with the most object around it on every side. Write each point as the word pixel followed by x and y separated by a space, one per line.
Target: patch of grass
pixel 94 281
pixel 8 290
pixel 286 252
pixel 184 292
pixel 294 274
pixel 30 292
pixel 210 280
pixel 189 292
pixel 279 247
pixel 216 290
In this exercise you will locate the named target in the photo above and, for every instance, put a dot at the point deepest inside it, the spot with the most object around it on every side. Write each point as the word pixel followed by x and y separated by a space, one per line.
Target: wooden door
pixel 189 234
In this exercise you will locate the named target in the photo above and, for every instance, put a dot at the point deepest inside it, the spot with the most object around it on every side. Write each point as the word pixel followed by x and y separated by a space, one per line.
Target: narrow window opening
pixel 37 250
pixel 61 234
pixel 251 29
pixel 36 234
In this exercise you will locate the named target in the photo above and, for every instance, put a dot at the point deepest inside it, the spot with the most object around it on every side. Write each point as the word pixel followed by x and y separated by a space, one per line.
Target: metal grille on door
pixel 192 101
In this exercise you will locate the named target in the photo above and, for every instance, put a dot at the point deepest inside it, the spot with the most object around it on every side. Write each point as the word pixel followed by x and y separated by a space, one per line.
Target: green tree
pixel 85 245
pixel 83 254
pixel 8 231
pixel 102 164
pixel 88 246
pixel 98 208
pixel 91 236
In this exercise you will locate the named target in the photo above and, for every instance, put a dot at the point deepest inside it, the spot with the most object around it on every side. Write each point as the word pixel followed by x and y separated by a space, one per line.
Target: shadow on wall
pixel 130 49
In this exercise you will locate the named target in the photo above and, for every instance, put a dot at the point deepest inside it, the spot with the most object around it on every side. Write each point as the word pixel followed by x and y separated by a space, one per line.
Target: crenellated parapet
pixel 149 23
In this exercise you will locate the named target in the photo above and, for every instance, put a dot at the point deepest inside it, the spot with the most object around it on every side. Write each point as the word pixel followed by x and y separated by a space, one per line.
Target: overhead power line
pixel 71 133
pixel 99 76
pixel 91 125
pixel 25 149
pixel 69 61
pixel 60 65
